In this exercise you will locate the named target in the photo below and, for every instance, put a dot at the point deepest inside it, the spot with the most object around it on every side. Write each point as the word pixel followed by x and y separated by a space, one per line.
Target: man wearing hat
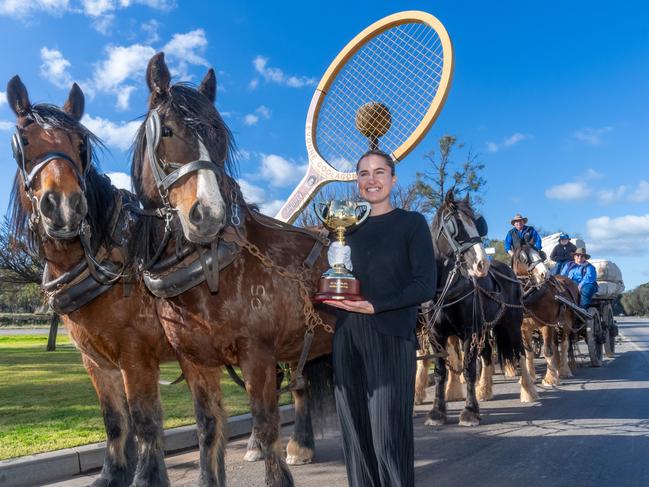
pixel 584 274
pixel 562 253
pixel 521 234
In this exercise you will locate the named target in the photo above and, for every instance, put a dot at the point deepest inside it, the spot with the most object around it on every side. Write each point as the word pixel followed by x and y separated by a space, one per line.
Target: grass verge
pixel 47 401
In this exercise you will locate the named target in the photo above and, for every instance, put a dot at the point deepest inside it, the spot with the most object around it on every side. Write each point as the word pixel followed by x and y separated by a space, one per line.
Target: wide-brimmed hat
pixel 518 217
pixel 581 251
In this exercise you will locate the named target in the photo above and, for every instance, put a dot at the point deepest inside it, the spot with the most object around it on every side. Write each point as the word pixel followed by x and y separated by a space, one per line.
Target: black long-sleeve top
pixel 563 252
pixel 393 257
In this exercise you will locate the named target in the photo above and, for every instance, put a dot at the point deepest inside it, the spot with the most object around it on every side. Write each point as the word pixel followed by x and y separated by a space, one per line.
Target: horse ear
pixel 157 75
pixel 75 104
pixel 208 85
pixel 17 97
pixel 449 197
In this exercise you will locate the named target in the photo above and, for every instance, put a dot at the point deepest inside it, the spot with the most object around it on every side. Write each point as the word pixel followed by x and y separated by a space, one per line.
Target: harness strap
pixel 316 250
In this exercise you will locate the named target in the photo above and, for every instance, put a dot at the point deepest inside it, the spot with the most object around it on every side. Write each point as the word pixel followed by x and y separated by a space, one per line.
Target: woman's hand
pixel 364 307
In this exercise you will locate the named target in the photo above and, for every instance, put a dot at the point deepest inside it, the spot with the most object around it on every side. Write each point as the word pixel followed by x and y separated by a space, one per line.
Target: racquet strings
pixel 400 68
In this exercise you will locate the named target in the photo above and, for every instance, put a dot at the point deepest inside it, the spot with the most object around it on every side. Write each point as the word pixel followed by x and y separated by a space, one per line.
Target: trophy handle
pixel 321 210
pixel 366 213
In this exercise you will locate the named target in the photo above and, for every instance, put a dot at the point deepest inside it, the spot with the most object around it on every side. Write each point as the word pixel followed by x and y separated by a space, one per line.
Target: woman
pixel 374 344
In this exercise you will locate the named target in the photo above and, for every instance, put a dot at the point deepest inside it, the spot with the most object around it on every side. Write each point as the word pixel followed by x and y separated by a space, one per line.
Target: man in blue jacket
pixel 521 234
pixel 584 274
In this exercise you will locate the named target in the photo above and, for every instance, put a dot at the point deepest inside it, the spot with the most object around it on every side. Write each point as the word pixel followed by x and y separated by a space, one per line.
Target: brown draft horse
pixel 257 317
pixel 471 306
pixel 57 191
pixel 542 312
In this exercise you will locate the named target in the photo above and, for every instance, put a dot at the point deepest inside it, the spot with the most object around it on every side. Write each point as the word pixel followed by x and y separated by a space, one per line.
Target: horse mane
pixel 99 191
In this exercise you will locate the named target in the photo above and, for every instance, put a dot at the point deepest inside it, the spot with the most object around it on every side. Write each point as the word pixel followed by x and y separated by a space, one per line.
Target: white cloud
pixel 186 49
pixel 151 28
pixel 258 195
pixel 625 235
pixel 569 191
pixel 607 196
pixel 3 98
pixel 120 180
pixel 7 125
pixel 252 193
pixel 641 193
pixel 97 8
pixel 253 118
pixel 123 96
pixel 513 139
pixel 276 75
pixel 591 174
pixel 592 136
pixel 253 83
pixel 280 172
pixel 115 135
pixel 250 119
pixel 55 68
pixel 22 9
pixel 122 63
pixel 271 208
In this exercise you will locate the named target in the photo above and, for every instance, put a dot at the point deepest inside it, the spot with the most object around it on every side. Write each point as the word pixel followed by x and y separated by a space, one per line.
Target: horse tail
pixel 320 392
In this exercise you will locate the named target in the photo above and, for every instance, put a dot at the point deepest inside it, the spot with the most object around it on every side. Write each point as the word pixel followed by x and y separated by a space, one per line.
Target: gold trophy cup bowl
pixel 338 283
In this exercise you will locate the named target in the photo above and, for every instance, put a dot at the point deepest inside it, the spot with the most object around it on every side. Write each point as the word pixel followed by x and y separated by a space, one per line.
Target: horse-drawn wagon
pixel 598 328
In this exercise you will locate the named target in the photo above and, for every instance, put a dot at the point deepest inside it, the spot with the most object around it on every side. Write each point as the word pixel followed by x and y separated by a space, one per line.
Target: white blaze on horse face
pixel 207 187
pixel 476 257
pixel 540 272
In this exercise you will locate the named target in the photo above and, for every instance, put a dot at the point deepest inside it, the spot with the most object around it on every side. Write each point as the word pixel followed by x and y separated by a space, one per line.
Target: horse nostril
pixel 50 203
pixel 78 204
pixel 197 213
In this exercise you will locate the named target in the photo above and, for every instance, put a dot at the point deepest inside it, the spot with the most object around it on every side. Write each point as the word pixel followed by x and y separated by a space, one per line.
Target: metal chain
pixel 312 318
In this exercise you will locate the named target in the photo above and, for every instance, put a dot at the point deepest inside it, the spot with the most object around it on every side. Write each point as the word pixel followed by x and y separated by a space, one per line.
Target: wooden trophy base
pixel 338 289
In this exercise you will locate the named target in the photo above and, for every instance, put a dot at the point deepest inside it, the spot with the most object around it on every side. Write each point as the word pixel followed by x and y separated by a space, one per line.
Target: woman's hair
pixel 376 152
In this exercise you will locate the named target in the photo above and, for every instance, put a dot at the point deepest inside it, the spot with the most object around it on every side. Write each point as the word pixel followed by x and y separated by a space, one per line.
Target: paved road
pixel 592 430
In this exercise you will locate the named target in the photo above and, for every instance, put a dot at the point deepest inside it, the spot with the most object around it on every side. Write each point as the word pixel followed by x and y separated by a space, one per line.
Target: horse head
pixel 457 235
pixel 53 153
pixel 181 154
pixel 527 262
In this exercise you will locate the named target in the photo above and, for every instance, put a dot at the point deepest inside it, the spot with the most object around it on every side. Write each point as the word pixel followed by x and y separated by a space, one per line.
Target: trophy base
pixel 338 289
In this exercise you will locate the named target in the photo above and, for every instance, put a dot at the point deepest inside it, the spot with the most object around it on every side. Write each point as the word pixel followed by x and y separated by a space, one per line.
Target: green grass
pixel 47 402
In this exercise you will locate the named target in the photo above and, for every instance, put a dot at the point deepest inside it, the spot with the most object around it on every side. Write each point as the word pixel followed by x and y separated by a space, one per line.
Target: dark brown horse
pixel 471 306
pixel 79 224
pixel 248 306
pixel 543 312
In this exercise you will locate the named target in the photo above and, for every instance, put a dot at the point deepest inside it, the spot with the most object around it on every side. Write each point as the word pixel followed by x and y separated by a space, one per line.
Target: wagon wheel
pixel 593 338
pixel 609 328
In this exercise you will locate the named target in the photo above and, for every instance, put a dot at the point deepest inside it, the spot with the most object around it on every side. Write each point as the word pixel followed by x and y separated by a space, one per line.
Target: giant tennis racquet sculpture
pixel 384 89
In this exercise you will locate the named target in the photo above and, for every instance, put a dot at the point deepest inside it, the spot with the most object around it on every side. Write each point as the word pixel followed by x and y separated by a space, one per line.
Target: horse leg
pixel 485 384
pixel 421 378
pixel 301 447
pixel 260 384
pixel 437 415
pixel 143 395
pixel 551 357
pixel 527 330
pixel 454 390
pixel 205 386
pixel 470 415
pixel 564 345
pixel 121 455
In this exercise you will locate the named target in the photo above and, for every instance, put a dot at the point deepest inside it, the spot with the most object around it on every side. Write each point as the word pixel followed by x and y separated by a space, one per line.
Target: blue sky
pixel 553 96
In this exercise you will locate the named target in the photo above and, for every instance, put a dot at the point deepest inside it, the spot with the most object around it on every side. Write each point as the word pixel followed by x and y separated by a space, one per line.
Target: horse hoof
pixel 484 396
pixel 295 460
pixel 435 418
pixel 549 383
pixel 469 418
pixel 253 456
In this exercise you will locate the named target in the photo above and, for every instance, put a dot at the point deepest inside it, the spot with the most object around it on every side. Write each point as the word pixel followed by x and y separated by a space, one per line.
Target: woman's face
pixel 375 179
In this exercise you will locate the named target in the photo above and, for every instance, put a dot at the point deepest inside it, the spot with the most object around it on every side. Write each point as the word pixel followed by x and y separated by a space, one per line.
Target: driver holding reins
pixel 521 234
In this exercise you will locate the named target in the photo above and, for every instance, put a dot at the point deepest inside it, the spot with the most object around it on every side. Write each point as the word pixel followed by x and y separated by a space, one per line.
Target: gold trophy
pixel 338 282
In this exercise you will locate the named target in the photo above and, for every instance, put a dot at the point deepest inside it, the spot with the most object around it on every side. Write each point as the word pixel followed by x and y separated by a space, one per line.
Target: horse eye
pixel 166 132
